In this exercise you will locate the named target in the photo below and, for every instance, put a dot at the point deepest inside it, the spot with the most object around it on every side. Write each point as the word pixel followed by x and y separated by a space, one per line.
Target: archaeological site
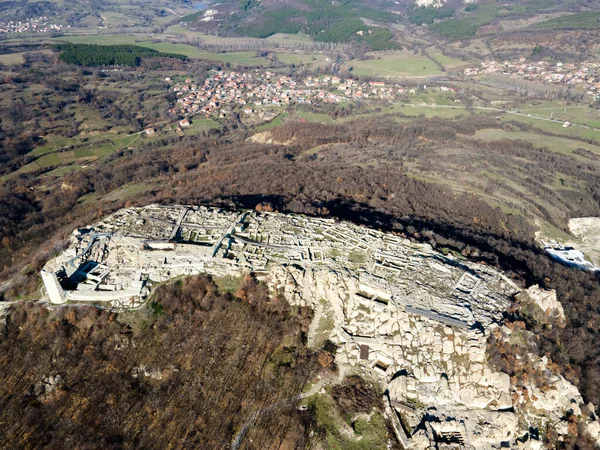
pixel 416 321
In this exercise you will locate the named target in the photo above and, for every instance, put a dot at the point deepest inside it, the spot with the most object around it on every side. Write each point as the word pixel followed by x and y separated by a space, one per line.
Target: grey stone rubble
pixel 416 320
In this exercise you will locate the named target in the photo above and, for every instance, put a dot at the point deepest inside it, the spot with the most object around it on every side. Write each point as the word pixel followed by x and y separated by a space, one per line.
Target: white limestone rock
pixel 560 397
pixel 448 347
pixel 544 299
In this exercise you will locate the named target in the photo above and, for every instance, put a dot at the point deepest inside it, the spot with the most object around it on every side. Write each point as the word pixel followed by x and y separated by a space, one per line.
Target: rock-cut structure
pixel 414 319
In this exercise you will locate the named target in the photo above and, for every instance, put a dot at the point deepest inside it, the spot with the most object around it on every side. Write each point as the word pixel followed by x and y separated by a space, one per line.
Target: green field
pixel 556 110
pixel 384 64
pixel 52 145
pixel 279 120
pixel 115 19
pixel 12 58
pixel 557 144
pixel 198 125
pixel 555 128
pixel 103 150
pixel 241 58
pixel 178 29
pixel 446 61
pixel 103 39
pixel 83 153
pixel 279 38
pixel 126 141
pixel 429 111
pixel 405 113
pixel 49 160
pixel 395 64
pixel 285 37
pixel 301 59
pixel 55 153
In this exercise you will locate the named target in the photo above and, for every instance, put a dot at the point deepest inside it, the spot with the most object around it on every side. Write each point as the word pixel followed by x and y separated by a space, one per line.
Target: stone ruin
pixel 413 318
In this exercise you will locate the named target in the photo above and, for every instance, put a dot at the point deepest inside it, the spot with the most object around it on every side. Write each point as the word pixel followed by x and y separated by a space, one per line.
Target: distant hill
pixel 384 24
pixel 93 14
pixel 364 23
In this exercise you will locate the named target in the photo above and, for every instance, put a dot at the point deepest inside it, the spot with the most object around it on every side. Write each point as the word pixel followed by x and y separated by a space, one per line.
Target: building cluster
pixel 568 256
pixel 586 74
pixel 31 25
pixel 218 94
pixel 133 242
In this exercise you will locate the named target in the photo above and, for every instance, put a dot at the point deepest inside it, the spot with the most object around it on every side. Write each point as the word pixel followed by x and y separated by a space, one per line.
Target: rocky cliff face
pixel 440 385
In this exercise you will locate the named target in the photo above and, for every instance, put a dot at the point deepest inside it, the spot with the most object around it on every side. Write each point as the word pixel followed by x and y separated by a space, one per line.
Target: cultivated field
pixel 210 39
pixel 557 144
pixel 300 59
pixel 395 64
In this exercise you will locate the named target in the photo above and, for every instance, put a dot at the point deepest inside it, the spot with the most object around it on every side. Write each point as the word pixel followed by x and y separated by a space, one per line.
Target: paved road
pixel 178 224
pixel 259 244
pixel 504 111
pixel 92 241
pixel 317 387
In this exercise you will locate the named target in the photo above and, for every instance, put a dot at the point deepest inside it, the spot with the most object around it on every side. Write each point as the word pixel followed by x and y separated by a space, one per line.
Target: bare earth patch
pixel 587 232
pixel 266 137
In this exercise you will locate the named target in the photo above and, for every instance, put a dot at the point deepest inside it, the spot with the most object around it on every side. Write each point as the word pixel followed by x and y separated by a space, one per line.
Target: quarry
pixel 414 319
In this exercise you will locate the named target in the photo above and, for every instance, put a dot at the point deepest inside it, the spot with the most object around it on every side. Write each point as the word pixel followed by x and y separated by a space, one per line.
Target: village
pixel 397 311
pixel 223 91
pixel 586 74
pixel 32 25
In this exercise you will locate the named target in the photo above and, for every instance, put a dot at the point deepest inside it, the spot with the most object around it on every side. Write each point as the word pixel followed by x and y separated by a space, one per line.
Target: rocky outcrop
pixel 437 376
pixel 47 386
pixel 544 300
pixel 415 319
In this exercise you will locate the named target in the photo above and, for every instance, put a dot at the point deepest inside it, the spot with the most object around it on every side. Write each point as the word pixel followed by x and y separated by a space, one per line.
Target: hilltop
pixel 424 328
pixel 385 196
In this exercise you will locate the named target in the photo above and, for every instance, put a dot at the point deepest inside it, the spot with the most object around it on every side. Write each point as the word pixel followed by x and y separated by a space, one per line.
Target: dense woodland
pixel 194 366
pixel 567 28
pixel 188 372
pixel 90 55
